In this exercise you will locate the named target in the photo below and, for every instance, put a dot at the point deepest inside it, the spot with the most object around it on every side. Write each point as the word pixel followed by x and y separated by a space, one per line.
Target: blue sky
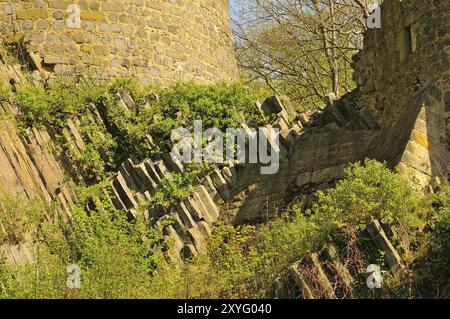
pixel 233 5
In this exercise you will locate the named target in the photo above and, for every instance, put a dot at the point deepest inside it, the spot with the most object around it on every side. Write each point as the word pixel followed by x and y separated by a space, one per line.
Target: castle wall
pixel 157 41
pixel 403 75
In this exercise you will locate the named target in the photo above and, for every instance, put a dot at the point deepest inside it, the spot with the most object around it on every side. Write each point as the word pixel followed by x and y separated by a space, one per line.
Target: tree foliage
pixel 301 48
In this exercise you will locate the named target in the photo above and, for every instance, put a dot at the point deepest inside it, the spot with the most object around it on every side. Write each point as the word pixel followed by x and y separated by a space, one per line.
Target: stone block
pixel 194 209
pixel 185 215
pixel 189 252
pixel 173 163
pixel 331 254
pixel 30 14
pixel 197 238
pixel 296 274
pixel 56 59
pixel 211 207
pixel 124 192
pixel 205 229
pixel 220 184
pixel 393 258
pixel 313 261
pixel 229 173
pixel 92 16
pixel 151 170
pixel 272 105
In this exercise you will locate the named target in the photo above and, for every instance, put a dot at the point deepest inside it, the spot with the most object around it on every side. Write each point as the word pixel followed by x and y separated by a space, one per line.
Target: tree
pixel 302 48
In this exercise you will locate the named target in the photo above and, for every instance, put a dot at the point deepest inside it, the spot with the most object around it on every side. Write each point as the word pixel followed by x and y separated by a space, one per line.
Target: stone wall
pixel 157 41
pixel 403 75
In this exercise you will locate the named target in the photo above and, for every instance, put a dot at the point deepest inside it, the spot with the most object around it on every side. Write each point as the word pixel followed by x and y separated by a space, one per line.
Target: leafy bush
pixel 119 258
pixel 247 261
pixel 173 190
pixel 51 106
pixel 9 48
pixel 116 256
pixel 19 218
pixel 432 263
pixel 222 106
pixel 5 92
pixel 369 191
pixel 125 133
pixel 34 105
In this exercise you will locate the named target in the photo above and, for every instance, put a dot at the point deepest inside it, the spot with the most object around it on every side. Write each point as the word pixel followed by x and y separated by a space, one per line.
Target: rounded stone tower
pixel 156 41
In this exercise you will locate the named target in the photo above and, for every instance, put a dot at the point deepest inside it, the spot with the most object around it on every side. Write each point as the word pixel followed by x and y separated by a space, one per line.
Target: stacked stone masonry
pixel 403 76
pixel 157 41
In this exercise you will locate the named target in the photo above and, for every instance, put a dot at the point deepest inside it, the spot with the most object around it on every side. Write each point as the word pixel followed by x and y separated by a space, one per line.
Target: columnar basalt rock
pixel 335 273
pixel 157 41
pixel 399 113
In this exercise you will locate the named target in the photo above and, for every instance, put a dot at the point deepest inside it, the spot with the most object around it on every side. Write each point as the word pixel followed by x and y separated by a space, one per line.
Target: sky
pixel 232 5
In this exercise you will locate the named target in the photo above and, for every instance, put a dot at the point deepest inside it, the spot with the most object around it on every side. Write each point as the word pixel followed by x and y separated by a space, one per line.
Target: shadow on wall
pixel 311 158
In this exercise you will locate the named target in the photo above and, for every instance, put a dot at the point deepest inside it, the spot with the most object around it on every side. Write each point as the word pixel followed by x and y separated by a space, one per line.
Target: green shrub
pixel 25 221
pixel 369 191
pixel 34 105
pixel 247 261
pixel 5 92
pixel 117 257
pixel 126 132
pixel 123 259
pixel 174 189
pixel 19 218
pixel 9 49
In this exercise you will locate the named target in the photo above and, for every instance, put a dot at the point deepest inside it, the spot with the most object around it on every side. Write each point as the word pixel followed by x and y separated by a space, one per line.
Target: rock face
pixel 192 219
pixel 28 162
pixel 157 41
pixel 29 167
